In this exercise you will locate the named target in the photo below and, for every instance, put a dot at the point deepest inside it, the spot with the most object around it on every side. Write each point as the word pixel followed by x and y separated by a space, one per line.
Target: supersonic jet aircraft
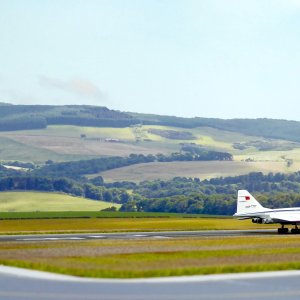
pixel 249 208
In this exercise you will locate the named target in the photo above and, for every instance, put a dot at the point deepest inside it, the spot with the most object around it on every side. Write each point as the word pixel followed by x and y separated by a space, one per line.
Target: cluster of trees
pixel 253 182
pixel 258 182
pixel 22 123
pixel 173 134
pixel 93 122
pixel 7 110
pixel 204 155
pixel 193 204
pixel 75 169
pixel 20 117
pixel 90 116
pixel 269 128
pixel 181 194
pixel 200 153
pixel 7 172
pixel 266 145
pixel 218 204
pixel 214 196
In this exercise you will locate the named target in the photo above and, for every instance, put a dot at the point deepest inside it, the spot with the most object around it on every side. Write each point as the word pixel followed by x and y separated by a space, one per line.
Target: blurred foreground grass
pixel 149 257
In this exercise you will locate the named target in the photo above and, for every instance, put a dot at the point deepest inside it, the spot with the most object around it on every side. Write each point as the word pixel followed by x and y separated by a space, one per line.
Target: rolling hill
pixel 38 201
pixel 196 169
pixel 20 117
pixel 84 132
pixel 70 149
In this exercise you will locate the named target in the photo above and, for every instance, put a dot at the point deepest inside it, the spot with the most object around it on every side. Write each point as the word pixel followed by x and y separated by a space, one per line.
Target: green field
pixel 64 142
pixel 97 214
pixel 70 131
pixel 38 201
pixel 122 224
pixel 14 149
pixel 211 138
pixel 198 169
pixel 150 257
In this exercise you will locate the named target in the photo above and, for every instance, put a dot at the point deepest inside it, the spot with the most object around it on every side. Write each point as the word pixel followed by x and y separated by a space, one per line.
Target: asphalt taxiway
pixel 135 235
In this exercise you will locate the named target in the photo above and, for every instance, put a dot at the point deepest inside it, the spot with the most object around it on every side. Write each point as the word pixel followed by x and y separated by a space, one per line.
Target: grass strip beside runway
pixel 151 257
pixel 97 214
pixel 38 226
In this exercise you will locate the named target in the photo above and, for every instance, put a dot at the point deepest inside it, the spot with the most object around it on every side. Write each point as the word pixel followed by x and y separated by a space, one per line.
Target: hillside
pixel 20 117
pixel 63 138
pixel 267 128
pixel 38 201
pixel 143 163
pixel 197 169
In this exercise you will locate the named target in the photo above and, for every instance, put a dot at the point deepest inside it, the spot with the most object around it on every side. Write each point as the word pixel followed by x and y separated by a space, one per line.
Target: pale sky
pixel 206 58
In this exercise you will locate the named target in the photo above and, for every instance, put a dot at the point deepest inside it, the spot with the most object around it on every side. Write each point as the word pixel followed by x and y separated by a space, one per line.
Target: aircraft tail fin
pixel 246 203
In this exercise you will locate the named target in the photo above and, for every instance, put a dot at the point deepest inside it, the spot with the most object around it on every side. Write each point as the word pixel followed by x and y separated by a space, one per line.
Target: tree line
pixel 76 169
pixel 180 194
pixel 22 123
pixel 214 196
pixel 64 185
pixel 22 117
pixel 268 128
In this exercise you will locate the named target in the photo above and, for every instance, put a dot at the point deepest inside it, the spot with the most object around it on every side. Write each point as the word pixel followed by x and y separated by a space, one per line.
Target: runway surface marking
pixel 136 235
pixel 87 237
pixel 52 238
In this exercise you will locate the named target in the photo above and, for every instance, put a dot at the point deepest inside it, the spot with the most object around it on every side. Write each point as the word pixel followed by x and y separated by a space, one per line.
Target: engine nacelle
pixel 262 221
pixel 267 221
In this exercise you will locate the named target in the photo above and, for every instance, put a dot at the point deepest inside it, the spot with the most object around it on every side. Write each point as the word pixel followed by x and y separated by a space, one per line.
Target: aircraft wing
pixel 285 217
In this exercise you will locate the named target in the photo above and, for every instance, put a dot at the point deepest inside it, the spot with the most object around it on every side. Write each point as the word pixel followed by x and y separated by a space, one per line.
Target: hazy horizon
pixel 206 58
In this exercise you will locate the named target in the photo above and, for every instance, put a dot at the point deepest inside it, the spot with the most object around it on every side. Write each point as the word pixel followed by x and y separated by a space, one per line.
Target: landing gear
pixel 295 230
pixel 283 230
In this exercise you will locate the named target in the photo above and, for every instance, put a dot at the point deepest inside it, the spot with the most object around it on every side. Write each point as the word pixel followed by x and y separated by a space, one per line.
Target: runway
pixel 136 235
pixel 271 285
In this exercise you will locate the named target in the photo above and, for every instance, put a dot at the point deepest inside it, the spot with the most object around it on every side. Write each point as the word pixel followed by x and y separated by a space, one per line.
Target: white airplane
pixel 249 208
